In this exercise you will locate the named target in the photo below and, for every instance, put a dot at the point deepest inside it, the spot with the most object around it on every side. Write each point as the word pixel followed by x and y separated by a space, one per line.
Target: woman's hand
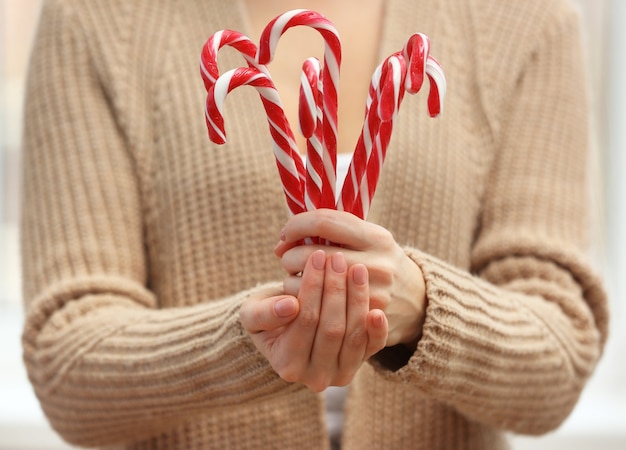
pixel 321 337
pixel 396 283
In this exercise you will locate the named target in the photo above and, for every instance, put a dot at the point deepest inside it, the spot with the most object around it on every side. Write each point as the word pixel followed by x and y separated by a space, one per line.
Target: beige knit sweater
pixel 141 239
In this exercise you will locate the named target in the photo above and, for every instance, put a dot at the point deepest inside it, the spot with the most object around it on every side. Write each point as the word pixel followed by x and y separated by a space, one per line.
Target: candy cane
pixel 310 118
pixel 402 72
pixel 437 86
pixel 209 71
pixel 330 81
pixel 279 127
pixel 416 52
pixel 363 150
pixel 208 58
pixel 421 64
pixel 390 91
pixel 360 184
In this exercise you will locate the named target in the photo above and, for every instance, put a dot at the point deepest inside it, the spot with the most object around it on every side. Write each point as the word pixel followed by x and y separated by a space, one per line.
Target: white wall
pixel 599 420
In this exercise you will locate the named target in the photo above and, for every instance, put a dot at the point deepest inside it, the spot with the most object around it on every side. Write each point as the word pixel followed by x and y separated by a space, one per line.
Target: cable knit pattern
pixel 141 239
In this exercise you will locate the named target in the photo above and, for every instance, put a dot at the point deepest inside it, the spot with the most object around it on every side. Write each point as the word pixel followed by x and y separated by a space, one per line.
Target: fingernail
pixel 379 320
pixel 285 307
pixel 283 235
pixel 359 275
pixel 319 259
pixel 338 262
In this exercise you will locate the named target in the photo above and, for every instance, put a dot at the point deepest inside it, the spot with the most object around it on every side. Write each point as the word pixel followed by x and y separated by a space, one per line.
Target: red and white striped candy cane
pixel 209 69
pixel 437 86
pixel 422 64
pixel 369 132
pixel 330 82
pixel 390 91
pixel 416 52
pixel 363 148
pixel 402 71
pixel 360 185
pixel 279 127
pixel 310 120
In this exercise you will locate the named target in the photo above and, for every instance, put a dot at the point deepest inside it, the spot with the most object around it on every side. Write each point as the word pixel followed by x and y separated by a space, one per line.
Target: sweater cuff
pixel 450 293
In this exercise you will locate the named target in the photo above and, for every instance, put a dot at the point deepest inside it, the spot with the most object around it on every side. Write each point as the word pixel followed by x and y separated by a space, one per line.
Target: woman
pixel 161 313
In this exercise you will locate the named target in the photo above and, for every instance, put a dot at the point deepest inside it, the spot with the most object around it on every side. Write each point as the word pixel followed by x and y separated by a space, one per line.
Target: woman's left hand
pixel 396 283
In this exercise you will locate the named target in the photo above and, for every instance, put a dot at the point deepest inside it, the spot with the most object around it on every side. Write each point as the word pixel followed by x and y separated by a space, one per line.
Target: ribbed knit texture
pixel 141 239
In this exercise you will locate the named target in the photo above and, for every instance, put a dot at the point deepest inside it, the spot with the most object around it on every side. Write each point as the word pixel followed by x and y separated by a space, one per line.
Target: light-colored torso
pixel 359 25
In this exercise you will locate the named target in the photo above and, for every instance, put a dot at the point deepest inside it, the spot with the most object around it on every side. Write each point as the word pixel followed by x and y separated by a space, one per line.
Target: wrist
pixel 409 305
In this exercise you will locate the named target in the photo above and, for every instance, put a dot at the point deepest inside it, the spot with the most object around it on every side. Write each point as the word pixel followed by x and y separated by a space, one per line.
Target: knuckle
pixel 325 215
pixel 357 339
pixel 359 298
pixel 383 236
pixel 334 331
pixel 334 287
pixel 288 375
pixel 287 371
pixel 343 379
pixel 318 384
pixel 323 221
pixel 308 318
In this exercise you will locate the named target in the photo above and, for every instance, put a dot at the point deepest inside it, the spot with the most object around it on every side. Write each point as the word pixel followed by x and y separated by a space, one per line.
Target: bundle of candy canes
pixel 314 186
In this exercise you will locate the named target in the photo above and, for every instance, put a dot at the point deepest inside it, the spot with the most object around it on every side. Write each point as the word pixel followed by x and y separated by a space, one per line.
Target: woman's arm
pixel 512 341
pixel 105 363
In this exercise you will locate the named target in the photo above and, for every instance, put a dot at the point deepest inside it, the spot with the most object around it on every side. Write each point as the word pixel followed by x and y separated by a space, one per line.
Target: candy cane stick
pixel 209 71
pixel 310 119
pixel 391 98
pixel 279 127
pixel 437 86
pixel 365 143
pixel 359 188
pixel 330 81
pixel 391 92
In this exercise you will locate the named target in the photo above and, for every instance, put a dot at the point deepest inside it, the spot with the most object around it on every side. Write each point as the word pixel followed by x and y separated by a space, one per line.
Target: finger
pixel 268 313
pixel 377 331
pixel 292 284
pixel 356 337
pixel 283 246
pixel 294 260
pixel 334 226
pixel 300 335
pixel 332 325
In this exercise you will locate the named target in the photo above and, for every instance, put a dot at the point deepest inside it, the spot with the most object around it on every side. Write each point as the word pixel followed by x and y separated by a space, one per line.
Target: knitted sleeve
pixel 106 365
pixel 512 343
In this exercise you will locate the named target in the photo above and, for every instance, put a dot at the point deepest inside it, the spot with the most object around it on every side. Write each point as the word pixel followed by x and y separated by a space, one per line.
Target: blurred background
pixel 599 421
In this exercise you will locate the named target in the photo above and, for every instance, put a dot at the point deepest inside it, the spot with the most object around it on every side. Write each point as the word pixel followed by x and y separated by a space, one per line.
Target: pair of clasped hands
pixel 339 304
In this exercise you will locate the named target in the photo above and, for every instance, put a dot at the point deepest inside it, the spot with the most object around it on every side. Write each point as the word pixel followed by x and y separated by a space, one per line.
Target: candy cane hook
pixel 330 82
pixel 279 127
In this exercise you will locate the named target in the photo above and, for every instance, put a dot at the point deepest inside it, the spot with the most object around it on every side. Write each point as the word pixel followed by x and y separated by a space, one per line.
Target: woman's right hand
pixel 322 337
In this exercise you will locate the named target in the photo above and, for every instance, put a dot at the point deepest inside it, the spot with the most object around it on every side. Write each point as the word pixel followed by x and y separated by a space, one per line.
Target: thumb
pixel 269 313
